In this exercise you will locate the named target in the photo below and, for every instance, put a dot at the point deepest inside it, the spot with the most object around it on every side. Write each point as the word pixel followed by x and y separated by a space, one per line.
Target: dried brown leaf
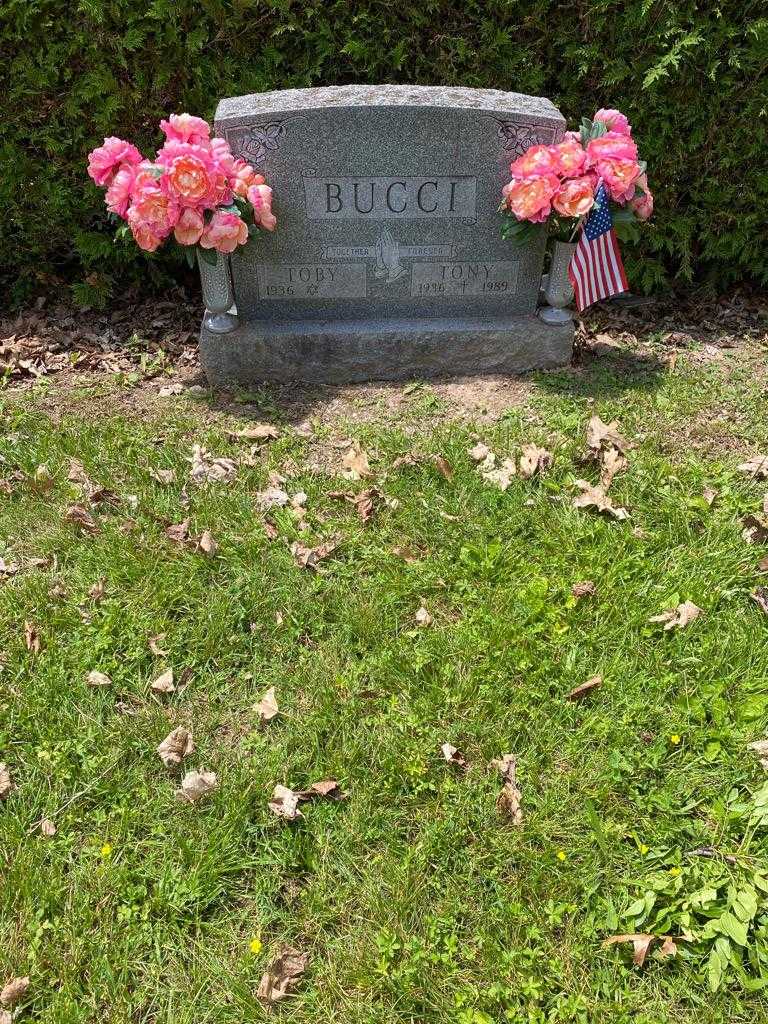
pixel 207 544
pixel 453 756
pixel 95 678
pixel 755 529
pixel 310 558
pixel 13 991
pixel 195 785
pixel 423 618
pixel 604 435
pixel 97 590
pixel 709 494
pixel 6 783
pixel 760 597
pixel 285 803
pixel 31 638
pixel 756 467
pixel 164 477
pixel 534 460
pixel 47 828
pixel 282 976
pixel 479 453
pixel 595 497
pixel 354 464
pixel 324 788
pixel 176 746
pixel 164 683
pixel 9 568
pixel 256 432
pixel 499 476
pixel 580 691
pixel 205 469
pixel 79 516
pixel 267 707
pixel 366 503
pixel 762 565
pixel 508 802
pixel 641 943
pixel 760 747
pixel 612 461
pixel 678 618
pixel 272 497
pixel 178 532
pixel 584 589
pixel 444 467
pixel 154 643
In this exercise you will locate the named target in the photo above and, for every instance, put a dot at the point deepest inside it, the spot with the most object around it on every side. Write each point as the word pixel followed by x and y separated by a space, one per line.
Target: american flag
pixel 596 270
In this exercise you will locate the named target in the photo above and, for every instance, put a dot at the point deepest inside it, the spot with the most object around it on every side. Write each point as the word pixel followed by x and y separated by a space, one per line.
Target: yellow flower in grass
pixel 644 849
pixel 255 944
pixel 674 739
pixel 106 851
pixel 674 872
pixel 561 855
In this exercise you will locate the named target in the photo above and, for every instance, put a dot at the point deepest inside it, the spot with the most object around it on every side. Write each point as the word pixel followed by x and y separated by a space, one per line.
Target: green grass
pixel 413 898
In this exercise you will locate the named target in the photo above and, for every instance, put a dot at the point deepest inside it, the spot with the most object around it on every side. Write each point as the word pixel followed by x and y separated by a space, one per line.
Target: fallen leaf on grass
pixel 479 453
pixel 97 591
pixel 47 828
pixel 6 783
pixel 760 597
pixel 154 645
pixel 285 803
pixel 709 494
pixel 267 707
pixel 760 747
pixel 453 756
pixel 164 683
pixel 579 691
pixel 13 991
pixel 678 618
pixel 79 516
pixel 354 464
pixel 641 943
pixel 499 476
pixel 509 799
pixel 256 432
pixel 755 529
pixel 272 497
pixel 757 467
pixel 208 470
pixel 310 558
pixel 534 460
pixel 602 435
pixel 42 480
pixel 584 589
pixel 595 497
pixel 9 568
pixel 282 976
pixel 175 747
pixel 164 477
pixel 95 678
pixel 423 618
pixel 762 565
pixel 207 544
pixel 612 461
pixel 31 638
pixel 196 785
pixel 325 788
pixel 94 493
pixel 444 467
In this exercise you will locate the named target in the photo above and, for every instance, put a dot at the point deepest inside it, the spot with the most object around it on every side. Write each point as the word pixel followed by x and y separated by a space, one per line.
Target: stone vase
pixel 218 293
pixel 558 293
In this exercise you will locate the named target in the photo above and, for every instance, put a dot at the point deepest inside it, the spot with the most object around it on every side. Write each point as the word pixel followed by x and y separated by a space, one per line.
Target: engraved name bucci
pixel 384 198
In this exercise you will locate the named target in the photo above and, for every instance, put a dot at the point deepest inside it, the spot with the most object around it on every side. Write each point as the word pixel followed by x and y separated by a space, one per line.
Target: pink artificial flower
pixel 575 197
pixel 143 234
pixel 189 227
pixel 190 173
pixel 260 198
pixel 569 157
pixel 614 120
pixel 619 177
pixel 611 146
pixel 642 205
pixel 152 207
pixel 222 156
pixel 224 232
pixel 104 161
pixel 531 198
pixel 186 128
pixel 243 177
pixel 535 160
pixel 118 196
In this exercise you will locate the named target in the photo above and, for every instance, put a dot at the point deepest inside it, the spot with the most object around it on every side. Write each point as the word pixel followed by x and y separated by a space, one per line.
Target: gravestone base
pixel 339 352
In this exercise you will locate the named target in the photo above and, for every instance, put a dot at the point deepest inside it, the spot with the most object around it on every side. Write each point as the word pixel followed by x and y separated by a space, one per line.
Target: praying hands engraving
pixel 388 263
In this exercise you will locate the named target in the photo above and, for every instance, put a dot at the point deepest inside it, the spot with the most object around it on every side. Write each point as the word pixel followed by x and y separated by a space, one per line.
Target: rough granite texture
pixel 337 353
pixel 388 253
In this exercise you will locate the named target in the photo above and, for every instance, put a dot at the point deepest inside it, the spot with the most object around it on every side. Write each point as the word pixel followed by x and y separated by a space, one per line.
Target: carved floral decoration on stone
pixel 194 192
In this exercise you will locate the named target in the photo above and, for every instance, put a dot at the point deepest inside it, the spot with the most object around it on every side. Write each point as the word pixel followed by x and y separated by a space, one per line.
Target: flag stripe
pixel 596 270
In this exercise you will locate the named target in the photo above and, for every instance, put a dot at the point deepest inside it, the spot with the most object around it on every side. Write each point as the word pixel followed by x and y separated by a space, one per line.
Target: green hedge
pixel 691 76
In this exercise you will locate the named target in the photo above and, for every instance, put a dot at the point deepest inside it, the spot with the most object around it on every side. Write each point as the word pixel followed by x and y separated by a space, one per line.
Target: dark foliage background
pixel 691 76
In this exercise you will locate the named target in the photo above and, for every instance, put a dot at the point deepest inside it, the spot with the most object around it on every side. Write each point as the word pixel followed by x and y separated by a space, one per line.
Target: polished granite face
pixel 387 204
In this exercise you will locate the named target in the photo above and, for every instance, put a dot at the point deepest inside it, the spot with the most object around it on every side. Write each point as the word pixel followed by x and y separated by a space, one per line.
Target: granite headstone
pixel 387 261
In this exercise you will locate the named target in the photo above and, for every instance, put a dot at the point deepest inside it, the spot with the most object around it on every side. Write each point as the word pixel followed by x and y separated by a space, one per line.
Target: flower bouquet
pixel 194 191
pixel 594 180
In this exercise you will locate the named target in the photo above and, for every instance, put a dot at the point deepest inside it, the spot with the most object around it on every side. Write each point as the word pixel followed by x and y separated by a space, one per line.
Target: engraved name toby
pixel 382 198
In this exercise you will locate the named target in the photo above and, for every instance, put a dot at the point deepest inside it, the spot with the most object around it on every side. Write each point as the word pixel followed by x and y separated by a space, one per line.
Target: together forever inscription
pixel 387 258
